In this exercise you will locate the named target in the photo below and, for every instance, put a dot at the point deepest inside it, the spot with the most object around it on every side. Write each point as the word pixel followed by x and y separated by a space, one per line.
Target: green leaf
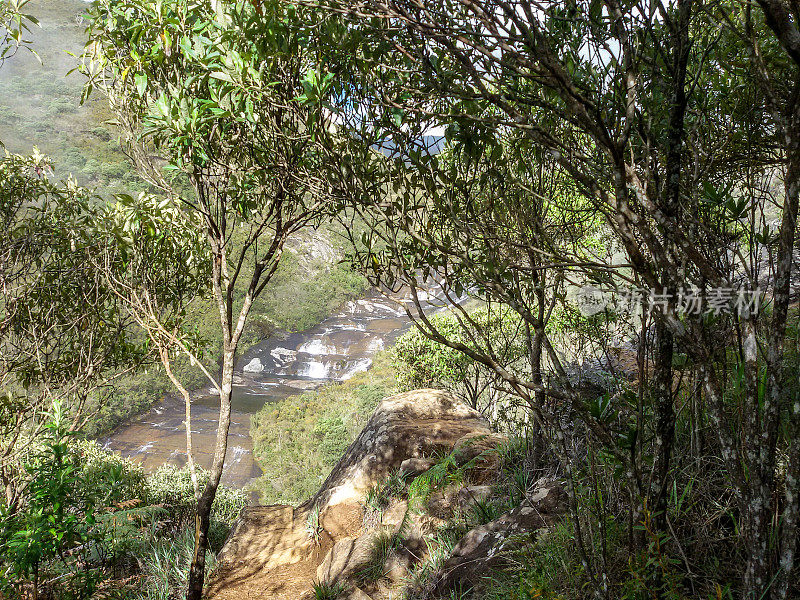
pixel 222 76
pixel 140 79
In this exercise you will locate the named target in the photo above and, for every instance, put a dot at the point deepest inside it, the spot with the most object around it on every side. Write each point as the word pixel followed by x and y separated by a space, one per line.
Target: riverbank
pixel 298 440
pixel 286 364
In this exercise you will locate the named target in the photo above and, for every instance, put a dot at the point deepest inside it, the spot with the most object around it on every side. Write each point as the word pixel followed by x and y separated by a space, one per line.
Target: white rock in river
pixel 254 366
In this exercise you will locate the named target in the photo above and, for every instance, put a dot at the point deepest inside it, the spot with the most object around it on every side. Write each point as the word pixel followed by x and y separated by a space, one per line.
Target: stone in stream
pixel 254 366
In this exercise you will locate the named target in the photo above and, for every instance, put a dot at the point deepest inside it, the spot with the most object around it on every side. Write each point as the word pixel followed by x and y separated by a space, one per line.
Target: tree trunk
pixel 665 424
pixel 758 568
pixel 203 519
pixel 197 570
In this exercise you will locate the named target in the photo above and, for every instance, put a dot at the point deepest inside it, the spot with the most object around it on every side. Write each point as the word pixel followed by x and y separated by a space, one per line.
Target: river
pixel 281 366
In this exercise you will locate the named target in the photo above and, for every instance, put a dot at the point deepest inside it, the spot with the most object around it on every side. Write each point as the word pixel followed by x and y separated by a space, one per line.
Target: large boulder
pixel 349 557
pixel 271 554
pixel 548 496
pixel 413 424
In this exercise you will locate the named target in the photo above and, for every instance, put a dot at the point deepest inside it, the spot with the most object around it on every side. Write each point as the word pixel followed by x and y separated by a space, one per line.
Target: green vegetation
pixel 545 570
pixel 90 522
pixel 40 105
pixel 298 440
pixel 588 148
pixel 383 545
pixel 328 591
pixel 202 96
pixel 302 294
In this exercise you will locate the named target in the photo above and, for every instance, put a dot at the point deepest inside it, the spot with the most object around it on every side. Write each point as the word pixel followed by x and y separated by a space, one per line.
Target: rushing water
pixel 283 365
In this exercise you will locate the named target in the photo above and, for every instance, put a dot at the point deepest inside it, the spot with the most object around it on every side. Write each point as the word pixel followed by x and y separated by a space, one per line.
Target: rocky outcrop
pixel 280 552
pixel 486 547
pixel 275 552
pixel 349 557
pixel 414 424
pixel 270 554
pixel 411 467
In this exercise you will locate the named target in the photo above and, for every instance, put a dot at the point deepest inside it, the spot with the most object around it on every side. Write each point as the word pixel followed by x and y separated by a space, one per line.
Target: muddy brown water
pixel 284 365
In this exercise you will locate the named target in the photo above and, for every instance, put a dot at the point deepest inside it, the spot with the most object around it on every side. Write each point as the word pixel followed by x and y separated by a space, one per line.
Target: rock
pixel 254 366
pixel 484 448
pixel 270 553
pixel 411 527
pixel 409 425
pixel 478 444
pixel 342 520
pixel 398 564
pixel 471 495
pixel 349 557
pixel 443 503
pixel 411 467
pixel 271 535
pixel 548 496
pixel 396 514
pixel 484 548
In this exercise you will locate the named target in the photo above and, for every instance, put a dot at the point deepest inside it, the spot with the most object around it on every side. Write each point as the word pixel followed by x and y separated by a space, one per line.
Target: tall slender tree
pixel 240 118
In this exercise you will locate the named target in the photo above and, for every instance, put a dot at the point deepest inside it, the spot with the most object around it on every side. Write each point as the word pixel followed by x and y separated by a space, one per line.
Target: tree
pixel 638 116
pixel 240 119
pixel 64 335
pixel 14 25
pixel 421 362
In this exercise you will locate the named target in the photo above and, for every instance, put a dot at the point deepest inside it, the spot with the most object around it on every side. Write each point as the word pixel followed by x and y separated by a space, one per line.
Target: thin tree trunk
pixel 791 511
pixel 203 518
pixel 664 339
pixel 187 400
pixel 665 423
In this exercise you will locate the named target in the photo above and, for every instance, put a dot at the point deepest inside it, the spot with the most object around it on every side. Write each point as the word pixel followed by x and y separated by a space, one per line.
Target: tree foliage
pixel 240 116
pixel 421 362
pixel 647 158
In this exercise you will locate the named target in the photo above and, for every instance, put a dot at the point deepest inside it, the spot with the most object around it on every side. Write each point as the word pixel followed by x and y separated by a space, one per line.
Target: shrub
pixel 123 478
pixel 328 591
pixel 546 570
pixel 422 362
pixel 90 515
pixel 166 566
pixel 171 487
